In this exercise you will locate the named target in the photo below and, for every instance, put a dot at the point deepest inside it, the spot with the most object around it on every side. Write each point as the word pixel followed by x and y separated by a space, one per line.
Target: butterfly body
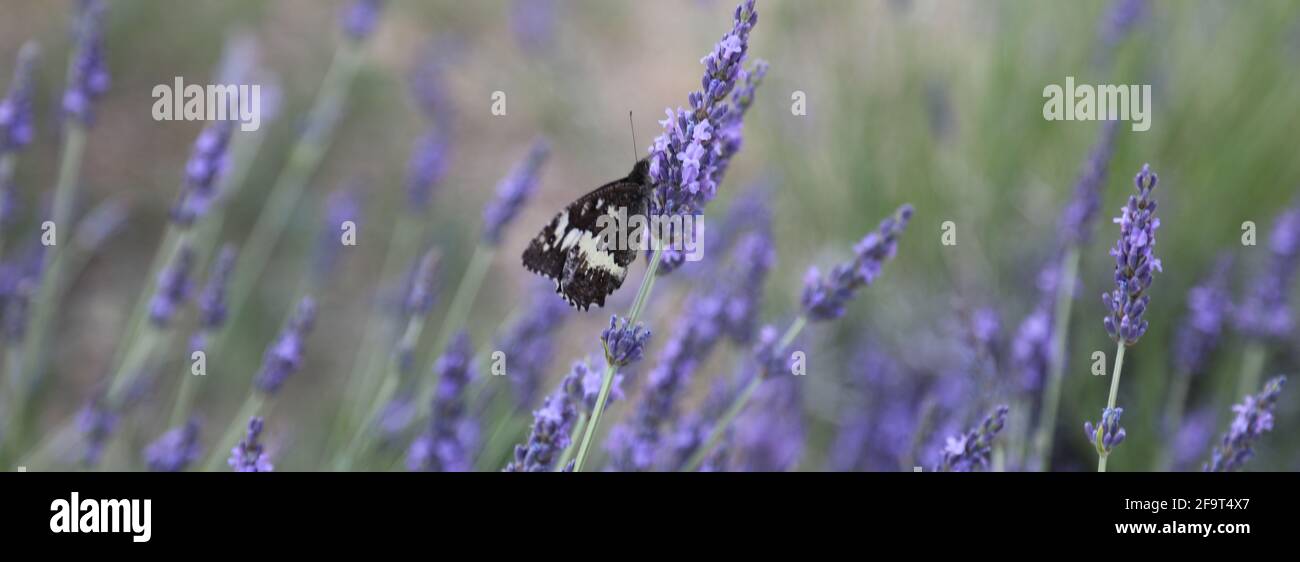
pixel 571 251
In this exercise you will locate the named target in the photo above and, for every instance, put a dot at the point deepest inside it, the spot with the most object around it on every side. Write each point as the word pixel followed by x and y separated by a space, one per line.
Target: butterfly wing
pixel 571 251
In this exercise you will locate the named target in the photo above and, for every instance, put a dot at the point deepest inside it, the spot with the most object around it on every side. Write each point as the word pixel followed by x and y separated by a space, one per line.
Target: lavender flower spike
pixel 16 130
pixel 360 18
pixel 552 424
pixel 1108 434
pixel 212 301
pixel 284 357
pixel 971 451
pixel 1135 262
pixel 207 162
pixel 825 298
pixel 1254 418
pixel 88 78
pixel 624 344
pixel 1208 306
pixel 174 286
pixel 447 445
pixel 1265 312
pixel 512 192
pixel 250 455
pixel 1077 218
pixel 175 450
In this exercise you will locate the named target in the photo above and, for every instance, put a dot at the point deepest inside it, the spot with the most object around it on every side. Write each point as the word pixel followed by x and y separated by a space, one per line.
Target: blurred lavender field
pixel 919 242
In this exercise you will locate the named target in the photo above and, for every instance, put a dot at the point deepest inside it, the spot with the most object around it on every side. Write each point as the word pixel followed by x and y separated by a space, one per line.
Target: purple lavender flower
pixel 971 451
pixel 688 160
pixel 1135 262
pixel 1265 311
pixel 284 356
pixel 342 206
pixel 624 344
pixel 585 386
pixel 552 424
pixel 448 443
pixel 207 162
pixel 88 77
pixel 212 301
pixel 250 455
pixel 96 422
pixel 174 286
pixel 395 417
pixel 1108 434
pixel 426 168
pixel 175 450
pixel 770 436
pixel 529 343
pixel 1031 350
pixel 512 192
pixel 1254 418
pixel 1079 214
pixel 16 129
pixel 1191 439
pixel 19 280
pixel 753 259
pixel 825 298
pixel 533 23
pixel 1208 306
pixel 360 18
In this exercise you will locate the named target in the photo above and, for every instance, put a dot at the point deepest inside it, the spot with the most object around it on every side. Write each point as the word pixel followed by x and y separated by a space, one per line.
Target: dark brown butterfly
pixel 571 250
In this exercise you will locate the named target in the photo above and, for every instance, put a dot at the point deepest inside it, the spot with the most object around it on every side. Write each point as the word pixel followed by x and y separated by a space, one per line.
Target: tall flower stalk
pixel 1135 265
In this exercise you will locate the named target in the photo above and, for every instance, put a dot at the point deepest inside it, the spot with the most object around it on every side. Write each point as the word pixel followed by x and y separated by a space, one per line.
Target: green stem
pixel 1252 367
pixel 741 400
pixel 606 382
pixel 578 428
pixel 387 387
pixel 1043 439
pixel 1114 394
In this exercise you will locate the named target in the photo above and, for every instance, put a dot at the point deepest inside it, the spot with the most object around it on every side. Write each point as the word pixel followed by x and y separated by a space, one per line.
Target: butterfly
pixel 570 250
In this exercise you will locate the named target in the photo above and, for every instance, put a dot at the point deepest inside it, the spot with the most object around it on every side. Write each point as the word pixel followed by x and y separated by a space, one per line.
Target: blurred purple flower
pixel 624 344
pixel 16 123
pixel 284 357
pixel 360 18
pixel 250 455
pixel 1108 434
pixel 533 23
pixel 175 450
pixel 769 436
pixel 1254 418
pixel 448 443
pixel 96 422
pixel 426 168
pixel 342 206
pixel 512 192
pixel 1208 306
pixel 825 298
pixel 1031 349
pixel 207 162
pixel 1265 311
pixel 88 77
pixel 1135 262
pixel 971 451
pixel 1081 211
pixel 1191 439
pixel 212 300
pixel 529 343
pixel 174 286
pixel 1119 19
pixel 552 424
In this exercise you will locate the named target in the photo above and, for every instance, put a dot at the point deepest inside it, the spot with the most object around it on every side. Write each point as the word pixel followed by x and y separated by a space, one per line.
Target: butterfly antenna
pixel 633 127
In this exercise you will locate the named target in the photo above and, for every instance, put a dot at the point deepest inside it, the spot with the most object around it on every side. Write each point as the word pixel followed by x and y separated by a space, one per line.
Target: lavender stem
pixel 642 294
pixel 1056 363
pixel 742 399
pixel 1114 394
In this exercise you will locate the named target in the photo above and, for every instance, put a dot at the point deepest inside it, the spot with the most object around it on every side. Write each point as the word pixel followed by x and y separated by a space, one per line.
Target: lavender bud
pixel 173 288
pixel 624 344
pixel 552 424
pixel 360 18
pixel 250 455
pixel 1031 350
pixel 825 298
pixel 1079 214
pixel 425 169
pixel 96 422
pixel 1265 311
pixel 1254 418
pixel 284 357
pixel 971 451
pixel 175 450
pixel 88 77
pixel 1135 262
pixel 448 443
pixel 512 192
pixel 212 301
pixel 16 123
pixel 207 163
pixel 1108 434
pixel 1208 306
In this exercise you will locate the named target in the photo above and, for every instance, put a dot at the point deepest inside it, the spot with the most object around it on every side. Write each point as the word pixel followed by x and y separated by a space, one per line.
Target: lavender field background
pixel 919 114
